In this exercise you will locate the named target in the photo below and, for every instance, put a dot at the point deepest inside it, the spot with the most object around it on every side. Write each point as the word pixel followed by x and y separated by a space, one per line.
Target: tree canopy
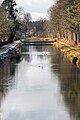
pixel 64 19
pixel 9 8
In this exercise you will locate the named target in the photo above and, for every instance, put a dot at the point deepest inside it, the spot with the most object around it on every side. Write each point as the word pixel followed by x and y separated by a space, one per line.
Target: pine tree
pixel 9 7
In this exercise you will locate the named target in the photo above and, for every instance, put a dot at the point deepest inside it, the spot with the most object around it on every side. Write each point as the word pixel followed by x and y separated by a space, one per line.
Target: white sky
pixel 37 8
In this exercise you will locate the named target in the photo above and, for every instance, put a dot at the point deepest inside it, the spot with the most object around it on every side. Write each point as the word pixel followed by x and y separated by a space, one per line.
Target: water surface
pixel 42 85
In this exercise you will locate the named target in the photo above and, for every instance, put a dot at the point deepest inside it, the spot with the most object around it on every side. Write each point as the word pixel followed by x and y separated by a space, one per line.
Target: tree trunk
pixel 11 37
pixel 76 37
pixel 72 35
pixel 66 35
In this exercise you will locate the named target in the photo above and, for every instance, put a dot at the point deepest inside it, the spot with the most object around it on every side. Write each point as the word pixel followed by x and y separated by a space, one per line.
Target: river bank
pixel 9 51
pixel 70 50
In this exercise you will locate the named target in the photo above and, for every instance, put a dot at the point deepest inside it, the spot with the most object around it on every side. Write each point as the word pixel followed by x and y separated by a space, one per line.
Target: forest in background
pixel 63 22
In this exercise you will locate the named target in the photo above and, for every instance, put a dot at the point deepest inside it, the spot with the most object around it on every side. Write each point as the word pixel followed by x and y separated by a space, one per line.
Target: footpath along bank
pixel 70 50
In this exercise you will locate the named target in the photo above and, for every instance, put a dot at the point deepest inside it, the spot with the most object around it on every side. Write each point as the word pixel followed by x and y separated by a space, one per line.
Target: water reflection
pixel 69 79
pixel 6 73
pixel 42 86
pixel 7 80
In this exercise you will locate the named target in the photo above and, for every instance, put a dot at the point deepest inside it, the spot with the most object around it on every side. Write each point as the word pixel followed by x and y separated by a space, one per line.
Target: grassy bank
pixel 38 38
pixel 70 50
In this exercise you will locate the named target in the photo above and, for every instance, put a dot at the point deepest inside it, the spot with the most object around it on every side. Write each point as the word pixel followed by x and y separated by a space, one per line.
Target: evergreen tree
pixel 9 7
pixel 5 25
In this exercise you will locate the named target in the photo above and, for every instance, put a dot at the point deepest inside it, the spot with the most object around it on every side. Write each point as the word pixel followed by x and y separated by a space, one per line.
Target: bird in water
pixel 40 66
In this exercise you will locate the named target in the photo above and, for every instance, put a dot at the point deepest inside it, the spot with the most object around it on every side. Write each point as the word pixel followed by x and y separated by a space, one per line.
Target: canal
pixel 41 85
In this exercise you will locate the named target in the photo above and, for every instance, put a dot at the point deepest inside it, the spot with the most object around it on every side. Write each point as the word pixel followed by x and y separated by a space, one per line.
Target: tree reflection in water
pixel 69 78
pixel 7 81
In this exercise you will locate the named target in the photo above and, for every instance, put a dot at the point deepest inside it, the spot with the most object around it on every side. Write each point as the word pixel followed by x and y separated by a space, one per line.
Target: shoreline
pixel 68 47
pixel 70 50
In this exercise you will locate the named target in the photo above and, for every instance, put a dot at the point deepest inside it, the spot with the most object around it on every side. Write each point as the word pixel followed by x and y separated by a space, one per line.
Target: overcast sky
pixel 37 8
